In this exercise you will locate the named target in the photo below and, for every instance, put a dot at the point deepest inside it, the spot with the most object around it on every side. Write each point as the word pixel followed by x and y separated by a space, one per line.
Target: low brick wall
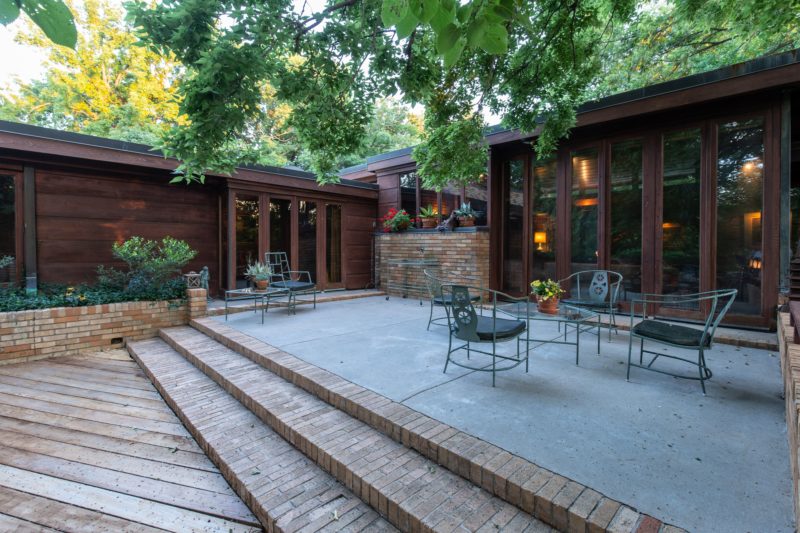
pixel 43 333
pixel 790 368
pixel 462 256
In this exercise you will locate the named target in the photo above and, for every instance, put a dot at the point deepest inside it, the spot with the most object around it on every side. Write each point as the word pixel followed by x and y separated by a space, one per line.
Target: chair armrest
pixel 299 274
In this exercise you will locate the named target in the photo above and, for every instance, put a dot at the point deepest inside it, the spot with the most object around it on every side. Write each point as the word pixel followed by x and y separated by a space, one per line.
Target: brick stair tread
pixel 284 489
pixel 410 490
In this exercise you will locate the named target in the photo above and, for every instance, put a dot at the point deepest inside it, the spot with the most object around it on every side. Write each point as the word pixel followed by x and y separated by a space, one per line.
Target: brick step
pixel 285 490
pixel 411 491
pixel 563 503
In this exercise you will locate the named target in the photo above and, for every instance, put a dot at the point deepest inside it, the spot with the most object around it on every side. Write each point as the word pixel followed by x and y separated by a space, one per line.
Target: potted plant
pixel 259 273
pixel 465 215
pixel 547 295
pixel 428 216
pixel 396 221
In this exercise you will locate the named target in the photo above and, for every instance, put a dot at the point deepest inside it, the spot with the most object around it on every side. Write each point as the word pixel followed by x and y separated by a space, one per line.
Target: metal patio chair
pixel 294 282
pixel 467 325
pixel 659 330
pixel 437 298
pixel 597 290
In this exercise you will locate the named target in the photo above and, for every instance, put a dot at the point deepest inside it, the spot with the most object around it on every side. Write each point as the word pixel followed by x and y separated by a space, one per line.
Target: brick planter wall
pixel 461 255
pixel 790 368
pixel 42 333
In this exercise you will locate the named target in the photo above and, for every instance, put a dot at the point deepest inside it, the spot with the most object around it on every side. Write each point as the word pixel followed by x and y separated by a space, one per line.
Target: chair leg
pixel 449 351
pixel 630 351
pixel 430 318
pixel 494 363
pixel 701 364
pixel 315 298
pixel 641 352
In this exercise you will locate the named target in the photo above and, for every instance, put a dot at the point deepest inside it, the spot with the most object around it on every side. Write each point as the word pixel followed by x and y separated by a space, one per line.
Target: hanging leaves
pixel 52 16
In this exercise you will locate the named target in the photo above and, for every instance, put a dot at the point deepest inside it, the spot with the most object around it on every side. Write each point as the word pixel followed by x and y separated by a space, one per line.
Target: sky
pixel 18 60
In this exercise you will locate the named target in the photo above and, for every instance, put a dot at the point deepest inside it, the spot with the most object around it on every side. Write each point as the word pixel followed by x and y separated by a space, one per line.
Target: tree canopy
pixel 531 62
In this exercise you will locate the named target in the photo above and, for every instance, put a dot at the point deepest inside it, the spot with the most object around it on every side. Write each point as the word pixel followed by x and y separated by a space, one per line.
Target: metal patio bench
pixel 660 330
pixel 467 325
pixel 294 282
pixel 596 290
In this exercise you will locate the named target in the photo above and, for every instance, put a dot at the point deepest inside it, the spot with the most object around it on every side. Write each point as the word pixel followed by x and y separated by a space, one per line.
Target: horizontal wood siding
pixel 357 244
pixel 79 217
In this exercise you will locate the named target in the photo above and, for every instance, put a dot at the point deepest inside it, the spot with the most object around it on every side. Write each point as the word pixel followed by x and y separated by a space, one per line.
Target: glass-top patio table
pixel 237 295
pixel 580 320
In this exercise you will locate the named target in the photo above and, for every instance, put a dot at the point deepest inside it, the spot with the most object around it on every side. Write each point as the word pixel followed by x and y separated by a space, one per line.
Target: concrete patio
pixel 706 463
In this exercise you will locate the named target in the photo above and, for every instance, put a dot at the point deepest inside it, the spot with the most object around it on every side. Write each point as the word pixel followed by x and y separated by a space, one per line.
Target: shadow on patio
pixel 713 463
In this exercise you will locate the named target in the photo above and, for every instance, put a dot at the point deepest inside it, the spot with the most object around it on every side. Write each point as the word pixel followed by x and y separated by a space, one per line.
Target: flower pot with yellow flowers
pixel 547 294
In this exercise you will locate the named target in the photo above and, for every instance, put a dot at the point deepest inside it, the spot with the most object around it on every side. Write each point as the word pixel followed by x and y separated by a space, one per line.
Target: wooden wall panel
pixel 357 241
pixel 79 217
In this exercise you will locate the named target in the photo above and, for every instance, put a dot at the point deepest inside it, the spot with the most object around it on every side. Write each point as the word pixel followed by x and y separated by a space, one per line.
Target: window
pixel 680 228
pixel 246 235
pixel 8 227
pixel 408 193
pixel 584 210
pixel 740 179
pixel 477 196
pixel 513 226
pixel 626 215
pixel 280 226
pixel 307 237
pixel 333 243
pixel 543 220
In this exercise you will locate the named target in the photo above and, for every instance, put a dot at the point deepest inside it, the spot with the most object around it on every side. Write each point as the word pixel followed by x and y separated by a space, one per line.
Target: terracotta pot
pixel 466 222
pixel 262 284
pixel 429 222
pixel 549 306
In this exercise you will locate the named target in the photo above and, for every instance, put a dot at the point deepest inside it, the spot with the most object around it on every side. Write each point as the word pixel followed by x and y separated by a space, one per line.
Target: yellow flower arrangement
pixel 545 290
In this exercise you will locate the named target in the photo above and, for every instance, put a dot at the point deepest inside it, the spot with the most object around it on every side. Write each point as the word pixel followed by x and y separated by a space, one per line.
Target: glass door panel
pixel 680 248
pixel 740 179
pixel 543 220
pixel 333 243
pixel 626 215
pixel 280 226
pixel 246 235
pixel 307 238
pixel 584 201
pixel 8 231
pixel 513 182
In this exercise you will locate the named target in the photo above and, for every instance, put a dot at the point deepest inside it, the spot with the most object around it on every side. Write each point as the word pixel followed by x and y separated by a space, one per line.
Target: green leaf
pixel 9 11
pixel 441 19
pixel 475 33
pixel 446 39
pixel 406 26
pixel 453 55
pixel 464 12
pixel 429 9
pixel 54 18
pixel 494 39
pixel 394 11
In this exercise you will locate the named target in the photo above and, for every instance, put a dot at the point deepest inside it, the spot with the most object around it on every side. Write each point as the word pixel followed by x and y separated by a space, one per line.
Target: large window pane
pixel 7 227
pixel 512 226
pixel 478 198
pixel 280 226
pixel 246 235
pixel 307 237
pixel 740 178
pixel 333 243
pixel 681 222
pixel 408 193
pixel 626 215
pixel 584 210
pixel 543 220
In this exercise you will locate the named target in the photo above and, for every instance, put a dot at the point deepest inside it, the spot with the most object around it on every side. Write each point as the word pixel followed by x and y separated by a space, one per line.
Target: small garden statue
pixel 204 280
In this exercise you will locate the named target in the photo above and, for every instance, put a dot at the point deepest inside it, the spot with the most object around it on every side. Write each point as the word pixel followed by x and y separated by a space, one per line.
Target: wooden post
pixel 231 274
pixel 29 213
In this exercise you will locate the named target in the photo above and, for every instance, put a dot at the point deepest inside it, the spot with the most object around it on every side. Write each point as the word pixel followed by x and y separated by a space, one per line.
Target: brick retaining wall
pixel 42 333
pixel 790 368
pixel 462 255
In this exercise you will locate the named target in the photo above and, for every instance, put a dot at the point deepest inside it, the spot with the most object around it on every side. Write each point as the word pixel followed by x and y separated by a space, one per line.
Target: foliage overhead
pixel 531 62
pixel 52 16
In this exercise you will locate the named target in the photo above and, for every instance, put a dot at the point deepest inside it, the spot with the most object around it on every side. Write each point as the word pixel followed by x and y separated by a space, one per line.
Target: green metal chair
pixel 294 282
pixel 659 330
pixel 437 298
pixel 467 325
pixel 597 290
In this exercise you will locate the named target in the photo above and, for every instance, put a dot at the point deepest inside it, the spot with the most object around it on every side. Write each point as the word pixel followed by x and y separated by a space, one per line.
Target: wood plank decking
pixel 87 444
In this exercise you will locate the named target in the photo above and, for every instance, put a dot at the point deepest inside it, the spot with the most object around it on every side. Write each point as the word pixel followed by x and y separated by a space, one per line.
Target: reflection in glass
pixel 246 235
pixel 513 281
pixel 584 210
pixel 7 226
pixel 543 220
pixel 307 237
pixel 681 221
pixel 626 215
pixel 740 175
pixel 408 193
pixel 478 198
pixel 280 226
pixel 333 243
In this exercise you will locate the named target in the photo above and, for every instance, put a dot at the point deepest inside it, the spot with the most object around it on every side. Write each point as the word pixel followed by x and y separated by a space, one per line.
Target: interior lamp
pixel 540 238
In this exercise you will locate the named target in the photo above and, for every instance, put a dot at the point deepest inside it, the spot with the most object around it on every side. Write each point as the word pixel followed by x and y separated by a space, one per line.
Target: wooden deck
pixel 87 444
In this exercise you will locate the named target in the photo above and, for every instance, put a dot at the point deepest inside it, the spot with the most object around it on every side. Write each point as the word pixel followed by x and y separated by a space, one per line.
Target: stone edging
pixel 563 503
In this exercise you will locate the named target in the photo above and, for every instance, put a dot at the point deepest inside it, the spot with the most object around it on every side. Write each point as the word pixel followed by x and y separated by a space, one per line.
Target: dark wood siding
pixel 80 216
pixel 357 243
